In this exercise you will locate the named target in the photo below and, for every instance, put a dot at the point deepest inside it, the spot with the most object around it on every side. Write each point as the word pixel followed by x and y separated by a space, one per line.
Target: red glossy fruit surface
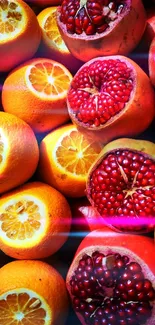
pixel 101 27
pixel 85 218
pixel 121 185
pixel 111 97
pixel 151 61
pixel 112 279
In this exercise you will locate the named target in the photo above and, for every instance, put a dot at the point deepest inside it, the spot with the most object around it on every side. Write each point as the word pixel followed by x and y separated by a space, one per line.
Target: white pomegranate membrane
pixel 100 91
pixel 122 189
pixel 90 17
pixel 111 290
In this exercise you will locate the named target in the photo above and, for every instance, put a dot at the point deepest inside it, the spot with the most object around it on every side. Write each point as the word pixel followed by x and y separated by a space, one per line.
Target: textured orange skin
pixel 151 61
pixel 122 39
pixel 23 154
pixel 142 246
pixel 137 115
pixel 42 279
pixel 58 216
pixel 40 113
pixel 23 47
pixel 145 147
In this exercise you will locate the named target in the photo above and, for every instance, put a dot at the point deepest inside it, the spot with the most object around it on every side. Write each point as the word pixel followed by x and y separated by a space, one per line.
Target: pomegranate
pixel 111 280
pixel 111 97
pixel 85 218
pixel 92 28
pixel 151 61
pixel 121 185
pixel 150 27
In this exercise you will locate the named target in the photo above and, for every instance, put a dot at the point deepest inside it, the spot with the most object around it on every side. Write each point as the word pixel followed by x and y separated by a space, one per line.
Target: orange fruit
pixel 19 153
pixel 65 158
pixel 32 293
pixel 34 221
pixel 20 33
pixel 52 44
pixel 36 92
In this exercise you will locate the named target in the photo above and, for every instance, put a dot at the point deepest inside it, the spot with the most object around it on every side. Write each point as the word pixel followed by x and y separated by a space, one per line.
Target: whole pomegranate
pixel 92 28
pixel 121 185
pixel 111 97
pixel 111 280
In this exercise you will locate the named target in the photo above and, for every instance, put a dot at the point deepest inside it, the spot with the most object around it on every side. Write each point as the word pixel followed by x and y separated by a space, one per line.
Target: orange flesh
pixel 21 220
pixel 52 31
pixel 10 17
pixel 49 79
pixel 76 154
pixel 21 309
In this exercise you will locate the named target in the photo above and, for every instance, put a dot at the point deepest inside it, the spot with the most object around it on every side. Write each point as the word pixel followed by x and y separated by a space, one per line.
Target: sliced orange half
pixel 65 158
pixel 50 31
pixel 20 33
pixel 29 225
pixel 12 19
pixel 32 293
pixel 40 97
pixel 24 307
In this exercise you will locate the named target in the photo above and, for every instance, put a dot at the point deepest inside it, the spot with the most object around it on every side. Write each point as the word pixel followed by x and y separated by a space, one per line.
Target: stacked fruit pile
pixel 77 162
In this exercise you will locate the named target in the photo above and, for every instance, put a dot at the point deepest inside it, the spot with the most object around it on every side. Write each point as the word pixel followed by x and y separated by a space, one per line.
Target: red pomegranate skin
pixel 139 249
pixel 85 218
pixel 150 26
pixel 121 185
pixel 120 37
pixel 138 104
pixel 151 62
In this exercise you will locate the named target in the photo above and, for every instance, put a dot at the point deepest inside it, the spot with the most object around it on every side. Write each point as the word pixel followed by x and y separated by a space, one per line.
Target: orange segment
pixel 12 19
pixel 51 29
pixel 75 153
pixel 21 219
pixel 24 307
pixel 48 79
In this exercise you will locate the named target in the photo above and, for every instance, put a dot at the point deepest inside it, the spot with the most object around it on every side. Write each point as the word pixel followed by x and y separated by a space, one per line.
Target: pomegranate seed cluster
pixel 124 185
pixel 111 290
pixel 100 91
pixel 90 17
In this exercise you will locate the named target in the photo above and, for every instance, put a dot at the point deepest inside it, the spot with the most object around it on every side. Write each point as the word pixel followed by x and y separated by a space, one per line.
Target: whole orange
pixel 32 292
pixel 36 92
pixel 20 33
pixel 19 153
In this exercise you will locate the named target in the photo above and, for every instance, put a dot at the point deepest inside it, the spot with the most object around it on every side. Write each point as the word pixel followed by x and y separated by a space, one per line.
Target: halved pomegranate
pixel 121 185
pixel 111 97
pixel 111 280
pixel 92 28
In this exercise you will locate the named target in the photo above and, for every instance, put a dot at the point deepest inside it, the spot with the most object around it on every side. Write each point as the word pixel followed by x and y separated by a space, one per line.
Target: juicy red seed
pixel 100 91
pixel 115 184
pixel 98 13
pixel 129 299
